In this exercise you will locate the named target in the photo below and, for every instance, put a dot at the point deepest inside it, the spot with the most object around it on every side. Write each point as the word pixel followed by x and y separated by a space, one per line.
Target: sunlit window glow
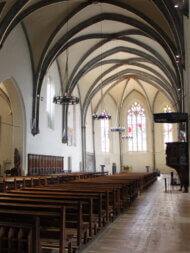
pixel 105 135
pixel 136 128
pixel 50 104
pixel 168 128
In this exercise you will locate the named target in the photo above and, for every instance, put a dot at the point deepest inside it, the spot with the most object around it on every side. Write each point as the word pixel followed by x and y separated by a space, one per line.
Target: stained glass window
pixel 105 135
pixel 136 128
pixel 168 128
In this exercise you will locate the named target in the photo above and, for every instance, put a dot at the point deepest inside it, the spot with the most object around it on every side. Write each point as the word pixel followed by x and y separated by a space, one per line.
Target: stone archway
pixel 13 126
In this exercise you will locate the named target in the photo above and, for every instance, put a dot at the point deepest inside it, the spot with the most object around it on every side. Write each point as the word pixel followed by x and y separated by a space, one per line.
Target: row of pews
pixel 67 214
pixel 19 182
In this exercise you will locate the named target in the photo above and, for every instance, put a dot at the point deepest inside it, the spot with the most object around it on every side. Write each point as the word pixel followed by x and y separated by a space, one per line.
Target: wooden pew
pixel 117 190
pixel 102 197
pixel 20 206
pixel 10 214
pixel 88 201
pixel 31 181
pixel 17 236
pixel 130 185
pixel 93 199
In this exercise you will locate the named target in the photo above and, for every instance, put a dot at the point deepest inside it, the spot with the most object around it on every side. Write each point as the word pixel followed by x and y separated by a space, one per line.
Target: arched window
pixel 105 135
pixel 168 128
pixel 136 128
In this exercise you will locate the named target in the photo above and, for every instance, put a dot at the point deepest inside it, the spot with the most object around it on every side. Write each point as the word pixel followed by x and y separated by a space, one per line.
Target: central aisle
pixel 157 222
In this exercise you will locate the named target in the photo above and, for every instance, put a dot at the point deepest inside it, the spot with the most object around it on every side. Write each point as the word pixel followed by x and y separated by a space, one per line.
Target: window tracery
pixel 136 120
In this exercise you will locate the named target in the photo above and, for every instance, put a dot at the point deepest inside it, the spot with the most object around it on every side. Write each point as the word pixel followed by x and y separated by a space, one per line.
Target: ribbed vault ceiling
pixel 116 46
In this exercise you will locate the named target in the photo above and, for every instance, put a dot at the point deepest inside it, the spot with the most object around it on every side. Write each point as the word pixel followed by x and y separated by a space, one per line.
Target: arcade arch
pixel 12 125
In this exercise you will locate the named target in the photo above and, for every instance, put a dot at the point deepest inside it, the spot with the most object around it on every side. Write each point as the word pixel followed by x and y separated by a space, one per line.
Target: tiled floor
pixel 157 222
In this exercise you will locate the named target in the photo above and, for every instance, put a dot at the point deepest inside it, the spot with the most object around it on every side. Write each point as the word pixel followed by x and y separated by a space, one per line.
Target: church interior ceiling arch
pixel 113 46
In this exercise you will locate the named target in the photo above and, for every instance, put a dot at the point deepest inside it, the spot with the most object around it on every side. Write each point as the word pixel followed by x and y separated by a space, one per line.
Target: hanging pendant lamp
pixel 104 114
pixel 67 99
pixel 117 128
pixel 126 137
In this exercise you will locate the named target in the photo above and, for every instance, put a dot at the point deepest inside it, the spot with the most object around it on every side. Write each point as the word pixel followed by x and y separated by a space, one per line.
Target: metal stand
pixel 102 168
pixel 165 179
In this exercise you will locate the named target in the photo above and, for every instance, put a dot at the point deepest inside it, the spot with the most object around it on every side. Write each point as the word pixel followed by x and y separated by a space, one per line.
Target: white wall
pixel 114 155
pixel 49 141
pixel 15 64
pixel 160 102
pixel 89 131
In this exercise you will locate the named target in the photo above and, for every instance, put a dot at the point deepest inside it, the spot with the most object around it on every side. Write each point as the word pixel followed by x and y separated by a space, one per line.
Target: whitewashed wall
pixel 49 141
pixel 114 155
pixel 160 102
pixel 89 131
pixel 15 64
